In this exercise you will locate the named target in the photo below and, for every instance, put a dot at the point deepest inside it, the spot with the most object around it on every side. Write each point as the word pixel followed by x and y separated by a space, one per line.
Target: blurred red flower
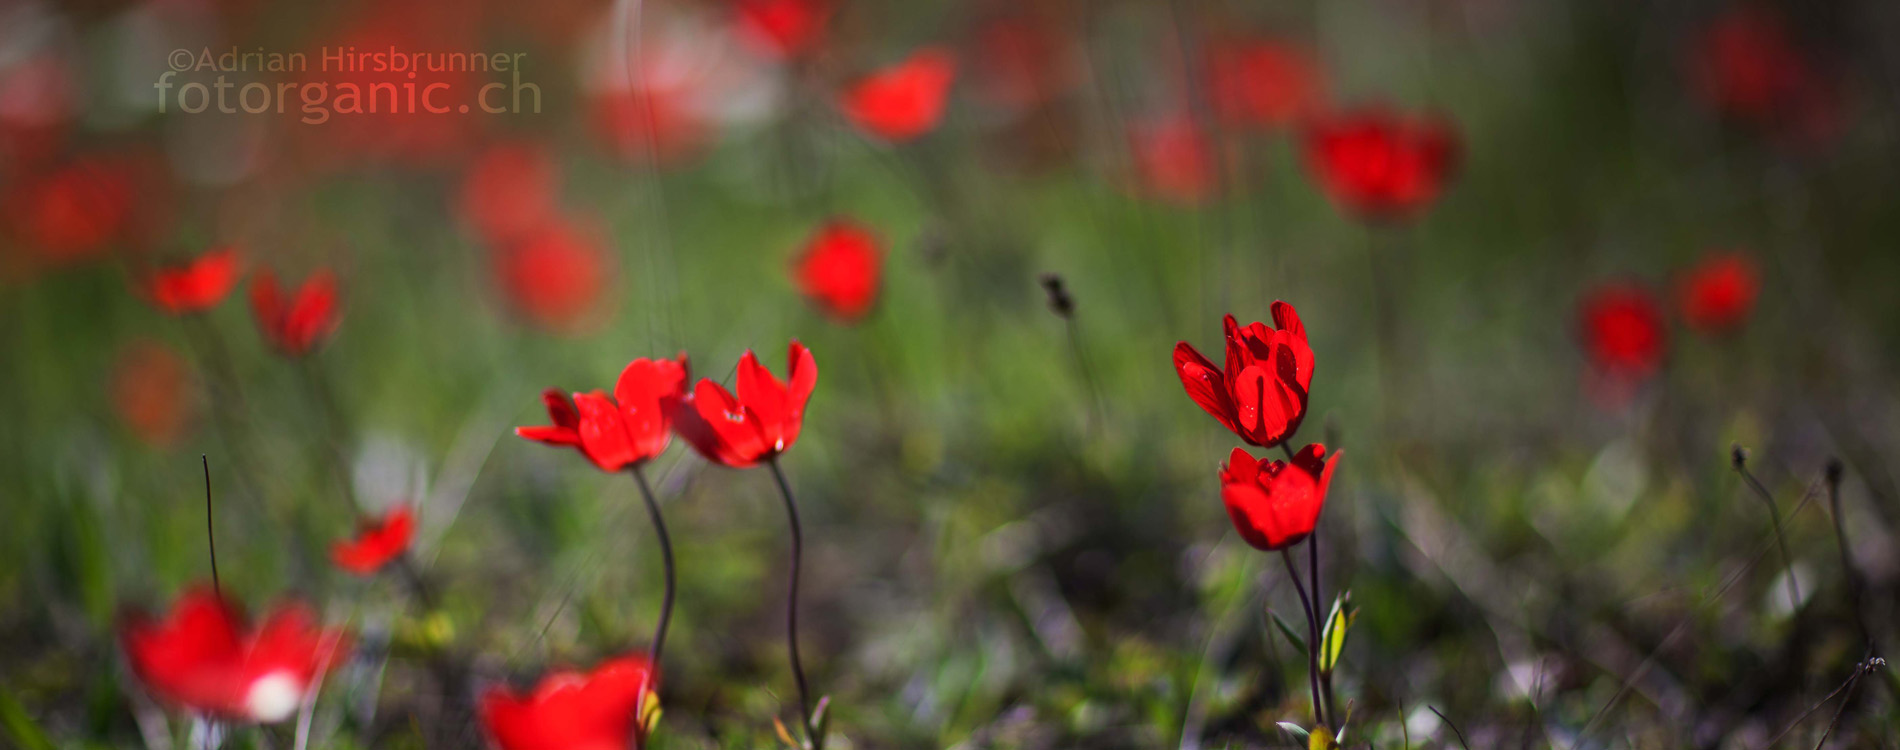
pixel 905 100
pixel 655 123
pixel 633 426
pixel 1622 329
pixel 205 657
pixel 839 269
pixel 1173 160
pixel 1747 66
pixel 149 391
pixel 762 422
pixel 195 286
pixel 1021 61
pixel 377 542
pixel 1276 504
pixel 1261 395
pixel 601 710
pixel 295 324
pixel 1719 292
pixel 72 213
pixel 554 276
pixel 509 192
pixel 1379 165
pixel 781 29
pixel 1262 83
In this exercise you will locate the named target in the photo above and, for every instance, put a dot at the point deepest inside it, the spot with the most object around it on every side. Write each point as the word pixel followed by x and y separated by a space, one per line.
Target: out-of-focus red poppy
pixel 761 422
pixel 1748 66
pixel 72 213
pixel 297 322
pixel 600 710
pixel 615 433
pixel 510 191
pixel 195 286
pixel 905 100
pixel 1174 160
pixel 1261 395
pixel 839 269
pixel 1263 83
pixel 554 276
pixel 386 123
pixel 1718 293
pixel 653 124
pixel 1621 326
pixel 782 29
pixel 204 656
pixel 1276 504
pixel 1022 62
pixel 150 392
pixel 377 542
pixel 1381 166
pixel 39 95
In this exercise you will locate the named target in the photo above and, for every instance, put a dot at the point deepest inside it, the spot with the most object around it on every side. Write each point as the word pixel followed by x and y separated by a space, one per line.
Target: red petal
pixel 604 437
pixel 572 711
pixel 1206 385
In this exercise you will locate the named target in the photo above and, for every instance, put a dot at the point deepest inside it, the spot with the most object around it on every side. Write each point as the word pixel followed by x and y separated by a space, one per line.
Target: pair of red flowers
pixel 1261 395
pixel 294 321
pixel 1622 327
pixel 205 656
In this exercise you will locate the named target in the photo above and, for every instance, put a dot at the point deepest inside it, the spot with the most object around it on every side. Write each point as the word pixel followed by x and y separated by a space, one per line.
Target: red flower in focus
pixel 1719 292
pixel 1276 504
pixel 149 384
pixel 905 100
pixel 1747 66
pixel 1622 330
pixel 762 422
pixel 1261 395
pixel 377 542
pixel 629 428
pixel 600 710
pixel 781 28
pixel 1173 160
pixel 509 192
pixel 839 270
pixel 205 657
pixel 296 323
pixel 554 276
pixel 72 213
pixel 196 286
pixel 1379 165
pixel 1262 83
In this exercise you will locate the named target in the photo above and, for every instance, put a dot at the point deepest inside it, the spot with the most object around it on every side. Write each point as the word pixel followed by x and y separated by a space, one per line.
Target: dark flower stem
pixel 1312 637
pixel 1739 457
pixel 666 558
pixel 1319 604
pixel 211 537
pixel 791 605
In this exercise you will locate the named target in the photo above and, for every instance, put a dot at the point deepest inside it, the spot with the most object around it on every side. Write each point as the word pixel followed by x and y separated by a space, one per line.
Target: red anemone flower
pixel 762 422
pixel 905 100
pixel 1276 504
pixel 1261 395
pixel 1622 329
pixel 1173 160
pixel 839 270
pixel 632 426
pixel 554 276
pixel 1749 67
pixel 600 710
pixel 377 542
pixel 1719 292
pixel 295 323
pixel 781 28
pixel 1379 165
pixel 205 657
pixel 509 192
pixel 75 212
pixel 1262 83
pixel 195 286
pixel 150 386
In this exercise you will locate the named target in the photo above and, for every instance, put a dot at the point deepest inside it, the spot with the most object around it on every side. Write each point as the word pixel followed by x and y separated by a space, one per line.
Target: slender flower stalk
pixel 791 606
pixel 211 537
pixel 1312 637
pixel 666 559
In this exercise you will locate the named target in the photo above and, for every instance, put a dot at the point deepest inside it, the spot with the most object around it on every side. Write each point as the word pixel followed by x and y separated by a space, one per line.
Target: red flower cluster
pixel 1379 165
pixel 1261 394
pixel 548 268
pixel 599 710
pixel 1747 66
pixel 631 427
pixel 204 657
pixel 903 101
pixel 1276 504
pixel 196 286
pixel 377 543
pixel 1621 324
pixel 839 270
pixel 295 323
